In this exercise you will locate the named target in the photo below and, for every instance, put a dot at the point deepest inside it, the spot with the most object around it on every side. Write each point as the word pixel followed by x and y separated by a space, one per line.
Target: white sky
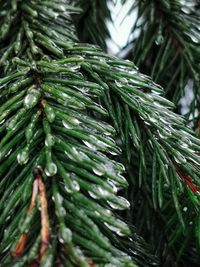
pixel 122 24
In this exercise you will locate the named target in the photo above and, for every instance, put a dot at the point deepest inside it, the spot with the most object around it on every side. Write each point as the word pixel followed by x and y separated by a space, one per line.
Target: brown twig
pixel 20 245
pixel 188 180
pixel 34 196
pixel 23 238
pixel 44 218
pixel 91 263
pixel 38 187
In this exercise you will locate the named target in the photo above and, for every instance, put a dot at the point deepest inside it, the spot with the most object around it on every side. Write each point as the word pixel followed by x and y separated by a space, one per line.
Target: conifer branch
pixel 167 47
pixel 93 14
pixel 60 101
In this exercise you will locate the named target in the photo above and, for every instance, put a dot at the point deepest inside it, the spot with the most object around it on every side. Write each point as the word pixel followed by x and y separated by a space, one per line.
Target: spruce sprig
pixel 63 106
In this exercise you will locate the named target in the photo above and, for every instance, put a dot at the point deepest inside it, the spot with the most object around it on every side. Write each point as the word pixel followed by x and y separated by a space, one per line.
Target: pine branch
pixel 58 101
pixel 55 137
pixel 160 52
pixel 167 48
pixel 67 148
pixel 155 144
pixel 25 31
pixel 151 119
pixel 94 13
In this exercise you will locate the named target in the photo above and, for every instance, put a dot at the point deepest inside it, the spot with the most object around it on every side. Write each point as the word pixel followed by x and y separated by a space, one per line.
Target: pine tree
pixel 82 131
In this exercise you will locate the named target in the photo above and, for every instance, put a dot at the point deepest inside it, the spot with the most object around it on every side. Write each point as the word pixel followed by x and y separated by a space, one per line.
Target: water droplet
pixel 118 83
pixel 74 155
pixel 61 239
pixel 114 153
pixel 89 145
pixel 164 121
pixel 23 157
pixel 83 89
pixel 62 7
pixel 74 103
pixel 51 169
pixel 114 229
pixel 78 56
pixel 8 153
pixel 62 211
pixel 100 191
pixel 122 179
pixel 67 189
pixel 75 186
pixel 80 253
pixel 183 145
pixel 71 183
pixel 101 144
pixel 55 15
pixel 114 188
pixel 185 9
pixel 74 67
pixel 28 133
pixel 153 120
pixel 120 204
pixel 11 124
pixel 92 194
pixel 74 121
pixel 83 157
pixel 67 125
pixel 120 233
pixel 160 39
pixel 67 98
pixel 110 168
pixel 166 185
pixel 185 209
pixel 59 199
pixel 97 213
pixel 31 98
pixel 94 142
pixel 161 134
pixel 1 122
pixel 99 170
pixel 194 39
pixel 49 113
pixel 179 158
pixel 66 235
pixel 49 140
pixel 106 133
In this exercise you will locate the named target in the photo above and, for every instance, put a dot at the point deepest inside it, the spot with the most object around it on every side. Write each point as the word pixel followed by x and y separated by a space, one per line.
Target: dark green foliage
pixel 71 118
pixel 50 117
pixel 167 47
pixel 92 21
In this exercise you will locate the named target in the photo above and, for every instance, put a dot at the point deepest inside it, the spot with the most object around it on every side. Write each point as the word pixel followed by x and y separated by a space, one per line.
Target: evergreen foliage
pixel 82 131
pixel 94 13
pixel 168 37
